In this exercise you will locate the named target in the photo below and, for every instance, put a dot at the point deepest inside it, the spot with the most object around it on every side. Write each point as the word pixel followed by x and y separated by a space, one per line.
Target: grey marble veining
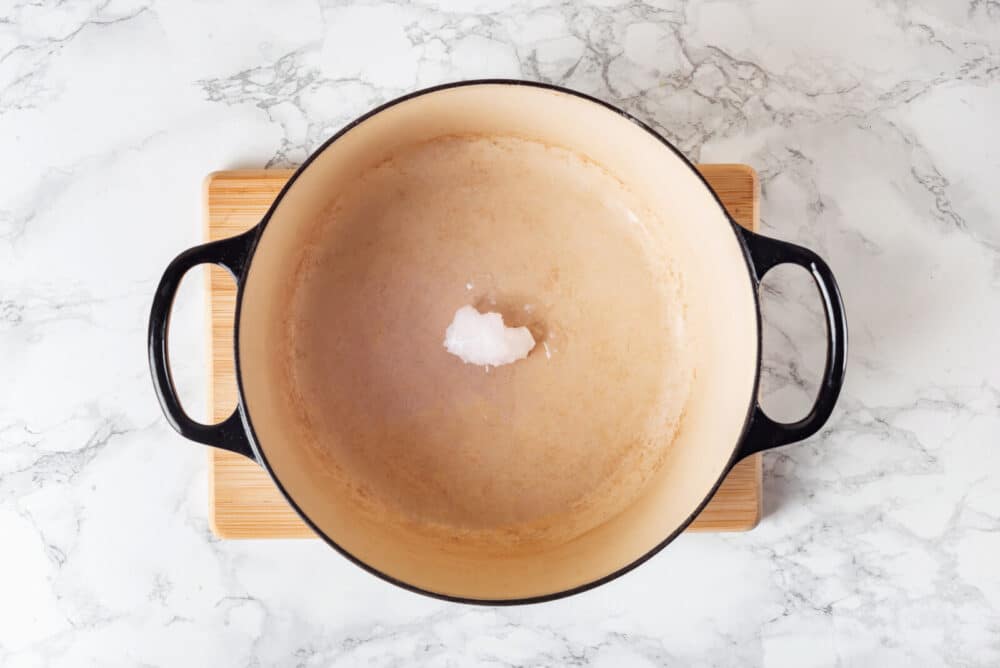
pixel 873 125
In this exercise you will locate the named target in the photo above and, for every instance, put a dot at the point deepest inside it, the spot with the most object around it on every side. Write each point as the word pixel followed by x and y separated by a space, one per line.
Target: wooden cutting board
pixel 243 503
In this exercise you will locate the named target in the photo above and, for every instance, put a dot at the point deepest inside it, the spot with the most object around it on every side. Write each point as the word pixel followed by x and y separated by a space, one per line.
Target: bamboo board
pixel 243 503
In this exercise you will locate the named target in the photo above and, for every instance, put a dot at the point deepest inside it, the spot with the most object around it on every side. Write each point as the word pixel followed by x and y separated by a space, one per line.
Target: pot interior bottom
pixel 534 452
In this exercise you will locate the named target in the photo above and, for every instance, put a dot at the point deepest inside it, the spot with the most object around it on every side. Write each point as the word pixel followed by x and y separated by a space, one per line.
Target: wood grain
pixel 243 503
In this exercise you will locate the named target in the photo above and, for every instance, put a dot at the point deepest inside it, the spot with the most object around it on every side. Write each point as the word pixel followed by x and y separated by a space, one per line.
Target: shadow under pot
pixel 532 480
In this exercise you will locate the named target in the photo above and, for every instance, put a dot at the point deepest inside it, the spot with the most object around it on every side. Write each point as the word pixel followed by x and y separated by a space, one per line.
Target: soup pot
pixel 531 481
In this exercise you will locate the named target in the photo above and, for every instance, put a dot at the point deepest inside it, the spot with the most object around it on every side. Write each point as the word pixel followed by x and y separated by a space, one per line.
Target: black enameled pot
pixel 724 422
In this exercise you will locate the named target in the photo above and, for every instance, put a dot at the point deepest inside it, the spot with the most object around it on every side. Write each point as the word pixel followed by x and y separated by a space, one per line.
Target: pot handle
pixel 762 432
pixel 231 254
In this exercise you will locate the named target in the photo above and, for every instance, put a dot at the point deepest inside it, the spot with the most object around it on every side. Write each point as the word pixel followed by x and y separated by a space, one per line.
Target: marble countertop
pixel 873 125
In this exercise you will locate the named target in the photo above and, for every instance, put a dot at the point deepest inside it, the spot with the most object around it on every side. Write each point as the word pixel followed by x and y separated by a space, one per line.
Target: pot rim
pixel 257 233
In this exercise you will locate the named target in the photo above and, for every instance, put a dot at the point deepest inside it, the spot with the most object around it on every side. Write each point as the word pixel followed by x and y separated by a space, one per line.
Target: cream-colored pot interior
pixel 529 479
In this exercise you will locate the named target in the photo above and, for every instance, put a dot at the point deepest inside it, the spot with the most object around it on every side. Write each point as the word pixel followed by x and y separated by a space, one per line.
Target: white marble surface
pixel 874 125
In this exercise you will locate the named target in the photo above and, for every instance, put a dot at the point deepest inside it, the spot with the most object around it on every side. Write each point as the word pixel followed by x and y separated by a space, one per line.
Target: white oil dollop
pixel 483 339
